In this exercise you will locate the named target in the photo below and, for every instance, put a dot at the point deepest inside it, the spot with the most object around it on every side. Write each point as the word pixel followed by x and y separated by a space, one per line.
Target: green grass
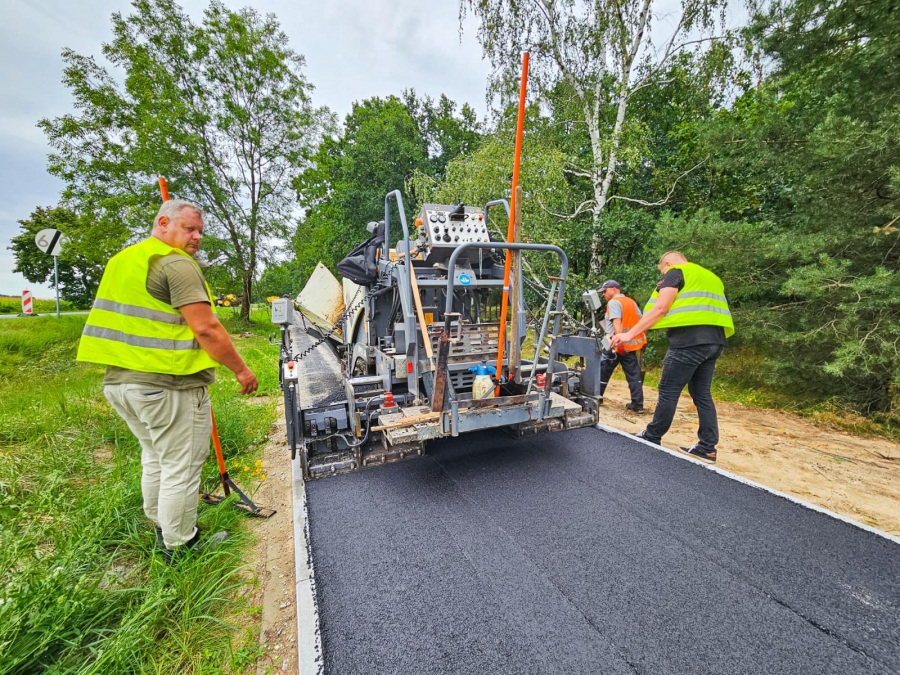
pixel 81 588
pixel 14 305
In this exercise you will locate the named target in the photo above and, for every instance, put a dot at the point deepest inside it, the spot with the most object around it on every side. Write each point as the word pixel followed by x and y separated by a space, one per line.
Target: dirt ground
pixel 273 558
pixel 855 476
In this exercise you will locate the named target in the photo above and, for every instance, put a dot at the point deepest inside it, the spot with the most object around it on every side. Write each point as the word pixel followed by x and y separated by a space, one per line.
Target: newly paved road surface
pixel 587 552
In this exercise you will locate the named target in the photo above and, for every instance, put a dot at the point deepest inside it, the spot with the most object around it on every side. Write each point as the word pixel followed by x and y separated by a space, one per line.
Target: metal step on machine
pixel 378 364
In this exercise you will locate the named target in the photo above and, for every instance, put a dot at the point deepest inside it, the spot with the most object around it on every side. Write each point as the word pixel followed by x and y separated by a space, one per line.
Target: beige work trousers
pixel 173 427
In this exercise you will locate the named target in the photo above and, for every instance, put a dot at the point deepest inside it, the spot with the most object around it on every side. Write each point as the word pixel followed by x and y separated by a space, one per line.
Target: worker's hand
pixel 248 381
pixel 620 338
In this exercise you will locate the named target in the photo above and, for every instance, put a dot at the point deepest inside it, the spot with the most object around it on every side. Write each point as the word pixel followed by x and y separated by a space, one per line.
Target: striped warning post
pixel 27 307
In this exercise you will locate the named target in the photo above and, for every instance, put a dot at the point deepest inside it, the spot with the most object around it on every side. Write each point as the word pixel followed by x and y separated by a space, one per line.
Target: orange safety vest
pixel 630 317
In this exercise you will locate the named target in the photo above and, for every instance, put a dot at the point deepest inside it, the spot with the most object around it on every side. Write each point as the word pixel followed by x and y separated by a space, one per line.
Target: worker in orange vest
pixel 622 313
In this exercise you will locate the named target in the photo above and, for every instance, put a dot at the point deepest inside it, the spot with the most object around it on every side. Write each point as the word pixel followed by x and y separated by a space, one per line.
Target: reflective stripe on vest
pixel 140 312
pixel 136 341
pixel 129 328
pixel 701 302
pixel 630 317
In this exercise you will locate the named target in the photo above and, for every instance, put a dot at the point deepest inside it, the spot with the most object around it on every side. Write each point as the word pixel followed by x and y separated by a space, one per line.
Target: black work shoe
pixel 160 543
pixel 643 435
pixel 700 453
pixel 194 545
pixel 636 408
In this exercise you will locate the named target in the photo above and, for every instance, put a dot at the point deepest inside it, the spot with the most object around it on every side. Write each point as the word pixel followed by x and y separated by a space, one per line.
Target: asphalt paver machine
pixel 375 366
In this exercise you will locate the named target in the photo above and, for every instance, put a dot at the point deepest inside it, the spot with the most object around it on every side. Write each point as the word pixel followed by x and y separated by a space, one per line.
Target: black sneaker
pixel 194 545
pixel 636 408
pixel 700 453
pixel 643 436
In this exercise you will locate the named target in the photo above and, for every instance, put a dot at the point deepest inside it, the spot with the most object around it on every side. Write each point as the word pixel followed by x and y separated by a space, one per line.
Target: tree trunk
pixel 245 302
pixel 596 243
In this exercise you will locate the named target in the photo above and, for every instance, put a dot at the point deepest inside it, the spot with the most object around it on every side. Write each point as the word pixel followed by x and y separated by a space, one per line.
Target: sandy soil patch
pixel 273 558
pixel 856 476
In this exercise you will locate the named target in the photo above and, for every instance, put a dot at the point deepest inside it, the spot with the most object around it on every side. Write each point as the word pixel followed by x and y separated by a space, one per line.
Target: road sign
pixel 50 241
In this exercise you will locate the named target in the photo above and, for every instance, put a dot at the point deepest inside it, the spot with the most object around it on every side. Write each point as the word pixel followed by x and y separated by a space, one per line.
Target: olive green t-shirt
pixel 177 281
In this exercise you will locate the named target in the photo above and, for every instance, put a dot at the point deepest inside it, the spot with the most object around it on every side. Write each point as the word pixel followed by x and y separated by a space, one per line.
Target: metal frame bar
pixel 409 316
pixel 406 299
pixel 451 265
pixel 494 202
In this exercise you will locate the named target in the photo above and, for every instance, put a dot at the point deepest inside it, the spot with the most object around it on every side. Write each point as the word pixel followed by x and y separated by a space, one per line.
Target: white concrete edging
pixel 747 481
pixel 309 640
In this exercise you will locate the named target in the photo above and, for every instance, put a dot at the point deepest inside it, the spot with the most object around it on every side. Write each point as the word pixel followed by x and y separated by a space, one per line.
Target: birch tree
pixel 603 53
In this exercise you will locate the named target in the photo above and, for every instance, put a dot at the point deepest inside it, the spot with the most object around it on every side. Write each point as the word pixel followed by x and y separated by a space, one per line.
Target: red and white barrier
pixel 27 306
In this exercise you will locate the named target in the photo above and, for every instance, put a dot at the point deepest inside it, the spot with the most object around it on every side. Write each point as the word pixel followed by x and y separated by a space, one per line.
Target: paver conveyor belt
pixel 587 552
pixel 319 371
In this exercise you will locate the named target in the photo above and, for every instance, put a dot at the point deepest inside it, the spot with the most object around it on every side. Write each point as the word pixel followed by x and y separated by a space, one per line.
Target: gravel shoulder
pixel 273 558
pixel 855 476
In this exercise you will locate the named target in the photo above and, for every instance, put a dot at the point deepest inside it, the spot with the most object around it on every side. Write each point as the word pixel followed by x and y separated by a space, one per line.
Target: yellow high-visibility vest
pixel 701 302
pixel 129 328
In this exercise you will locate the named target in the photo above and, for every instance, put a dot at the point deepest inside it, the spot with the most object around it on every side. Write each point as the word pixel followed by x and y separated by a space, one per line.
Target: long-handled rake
pixel 244 503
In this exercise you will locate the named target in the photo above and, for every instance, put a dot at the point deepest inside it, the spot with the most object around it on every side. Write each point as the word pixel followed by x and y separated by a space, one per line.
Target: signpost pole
pixel 56 281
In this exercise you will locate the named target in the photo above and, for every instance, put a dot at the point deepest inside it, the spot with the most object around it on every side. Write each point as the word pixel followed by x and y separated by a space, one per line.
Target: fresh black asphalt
pixel 588 552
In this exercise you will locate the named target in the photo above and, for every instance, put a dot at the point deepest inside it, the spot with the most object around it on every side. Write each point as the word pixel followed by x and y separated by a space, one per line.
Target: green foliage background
pixel 769 155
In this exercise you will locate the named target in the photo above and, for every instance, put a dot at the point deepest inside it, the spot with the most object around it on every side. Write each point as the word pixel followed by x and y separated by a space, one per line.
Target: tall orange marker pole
pixel 164 189
pixel 511 228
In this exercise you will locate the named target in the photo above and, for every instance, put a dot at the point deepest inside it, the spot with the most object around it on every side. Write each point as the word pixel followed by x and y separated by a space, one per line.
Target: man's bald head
pixel 670 258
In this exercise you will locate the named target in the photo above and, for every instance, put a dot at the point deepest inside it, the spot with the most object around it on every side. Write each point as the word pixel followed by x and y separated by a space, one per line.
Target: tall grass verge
pixel 82 589
pixel 10 305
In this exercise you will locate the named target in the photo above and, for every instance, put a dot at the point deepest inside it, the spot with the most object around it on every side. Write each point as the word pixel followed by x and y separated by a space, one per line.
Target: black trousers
pixel 694 367
pixel 631 366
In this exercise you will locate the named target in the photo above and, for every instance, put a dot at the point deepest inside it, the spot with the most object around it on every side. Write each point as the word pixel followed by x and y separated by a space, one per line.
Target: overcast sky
pixel 354 49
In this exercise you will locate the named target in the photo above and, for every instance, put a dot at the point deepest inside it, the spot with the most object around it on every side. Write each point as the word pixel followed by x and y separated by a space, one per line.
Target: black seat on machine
pixel 360 265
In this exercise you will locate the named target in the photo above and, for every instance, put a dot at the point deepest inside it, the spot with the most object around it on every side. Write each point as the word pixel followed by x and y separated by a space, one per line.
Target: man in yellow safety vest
pixel 690 302
pixel 154 328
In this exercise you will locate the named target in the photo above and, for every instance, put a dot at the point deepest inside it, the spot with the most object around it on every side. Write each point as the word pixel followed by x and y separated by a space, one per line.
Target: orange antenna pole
pixel 164 189
pixel 511 228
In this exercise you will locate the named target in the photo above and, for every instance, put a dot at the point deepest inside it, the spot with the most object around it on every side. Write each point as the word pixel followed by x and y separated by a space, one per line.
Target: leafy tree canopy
pixel 807 185
pixel 221 108
pixel 384 142
pixel 595 57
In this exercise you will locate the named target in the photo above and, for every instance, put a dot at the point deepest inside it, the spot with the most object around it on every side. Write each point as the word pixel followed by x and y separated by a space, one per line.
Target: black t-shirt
pixel 689 336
